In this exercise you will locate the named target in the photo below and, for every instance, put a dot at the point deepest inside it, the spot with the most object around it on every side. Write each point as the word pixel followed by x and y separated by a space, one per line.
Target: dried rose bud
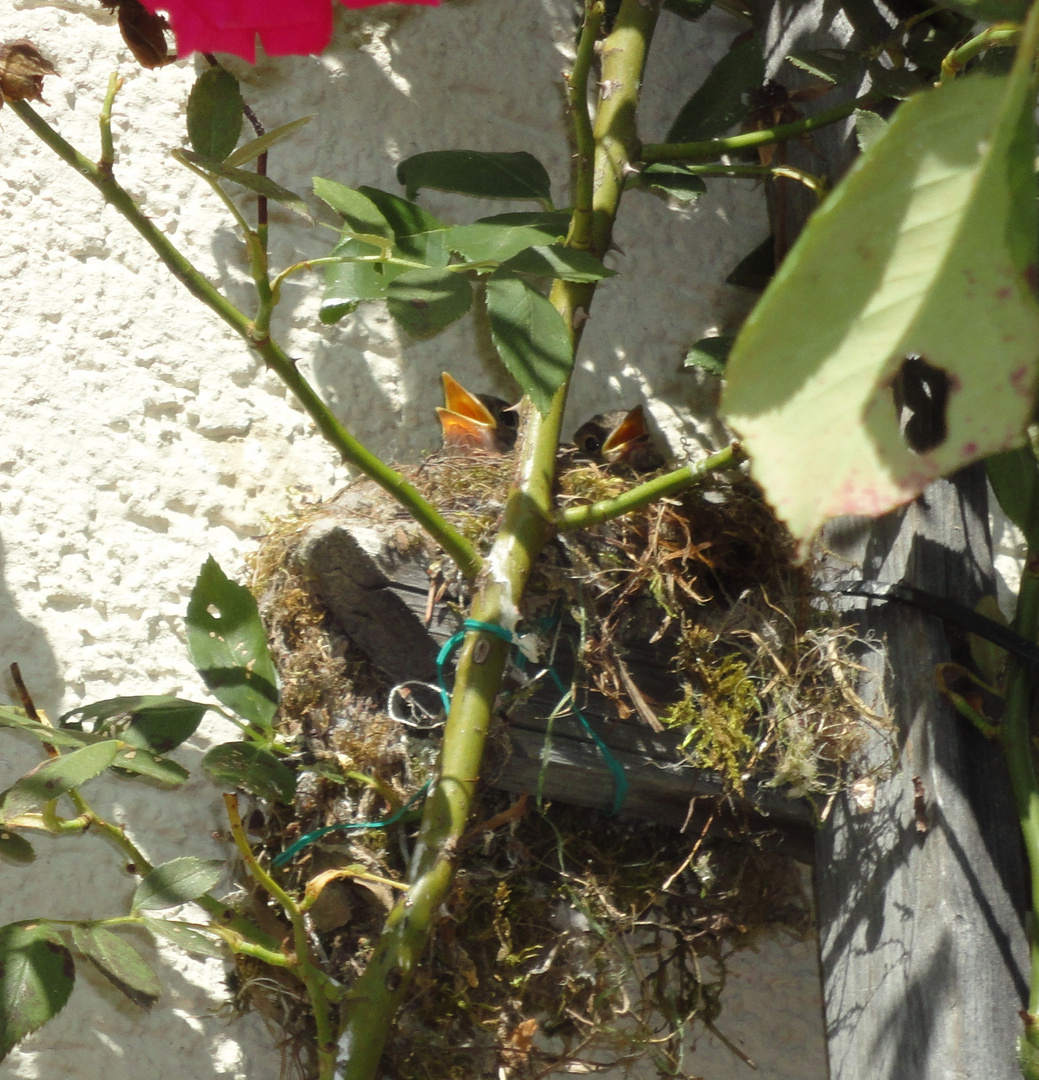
pixel 22 68
pixel 143 32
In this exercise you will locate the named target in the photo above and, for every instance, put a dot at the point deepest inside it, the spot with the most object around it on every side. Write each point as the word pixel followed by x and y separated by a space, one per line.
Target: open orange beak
pixel 466 422
pixel 632 429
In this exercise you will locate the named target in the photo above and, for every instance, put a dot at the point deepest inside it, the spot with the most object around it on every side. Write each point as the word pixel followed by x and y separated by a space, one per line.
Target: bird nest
pixel 570 938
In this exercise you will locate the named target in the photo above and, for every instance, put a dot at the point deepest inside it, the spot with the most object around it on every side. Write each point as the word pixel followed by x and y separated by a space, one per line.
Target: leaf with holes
pixel 228 646
pixel 36 978
pixel 56 776
pixel 920 353
pixel 176 882
pixel 531 338
pixel 246 765
pixel 119 962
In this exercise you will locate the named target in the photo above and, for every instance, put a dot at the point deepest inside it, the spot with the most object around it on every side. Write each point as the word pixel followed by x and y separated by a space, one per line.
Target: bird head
pixel 476 421
pixel 619 438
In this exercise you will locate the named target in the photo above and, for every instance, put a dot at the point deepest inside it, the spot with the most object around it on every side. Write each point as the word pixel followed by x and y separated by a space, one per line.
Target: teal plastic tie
pixel 620 778
pixel 354 826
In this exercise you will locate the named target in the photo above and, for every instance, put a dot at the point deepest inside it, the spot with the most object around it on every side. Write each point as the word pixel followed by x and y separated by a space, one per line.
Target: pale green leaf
pixel 119 962
pixel 924 250
pixel 176 882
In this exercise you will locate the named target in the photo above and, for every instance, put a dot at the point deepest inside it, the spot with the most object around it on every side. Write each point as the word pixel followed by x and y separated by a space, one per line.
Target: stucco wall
pixel 139 436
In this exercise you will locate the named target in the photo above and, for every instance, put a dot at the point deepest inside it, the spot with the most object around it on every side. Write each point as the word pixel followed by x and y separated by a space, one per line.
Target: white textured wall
pixel 138 435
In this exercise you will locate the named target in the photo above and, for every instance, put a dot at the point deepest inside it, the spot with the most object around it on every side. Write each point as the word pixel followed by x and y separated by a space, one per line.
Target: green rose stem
pixel 660 487
pixel 351 450
pixel 373 1000
pixel 751 140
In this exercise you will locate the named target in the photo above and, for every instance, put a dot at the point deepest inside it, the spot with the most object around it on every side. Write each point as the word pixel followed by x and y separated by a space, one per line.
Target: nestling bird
pixel 619 438
pixel 476 421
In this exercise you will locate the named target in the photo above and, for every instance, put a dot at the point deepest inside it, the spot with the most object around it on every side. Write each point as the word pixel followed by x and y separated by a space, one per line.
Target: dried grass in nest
pixel 568 937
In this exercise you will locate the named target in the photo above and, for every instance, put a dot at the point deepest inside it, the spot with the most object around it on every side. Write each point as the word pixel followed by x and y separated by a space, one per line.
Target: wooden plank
pixel 920 900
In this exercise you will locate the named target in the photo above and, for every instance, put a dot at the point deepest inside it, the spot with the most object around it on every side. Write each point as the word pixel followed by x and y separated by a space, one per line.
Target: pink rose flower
pixel 296 27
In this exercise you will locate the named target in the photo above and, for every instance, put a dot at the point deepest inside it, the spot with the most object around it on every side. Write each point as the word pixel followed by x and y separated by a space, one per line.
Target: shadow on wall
pixel 25 644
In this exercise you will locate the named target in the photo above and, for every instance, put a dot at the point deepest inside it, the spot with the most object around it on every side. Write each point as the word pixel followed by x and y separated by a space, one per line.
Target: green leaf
pixel 672 181
pixel 925 250
pixel 15 848
pixel 359 212
pixel 140 762
pixel 425 301
pixel 498 238
pixel 246 765
pixel 557 261
pixel 869 126
pixel 56 776
pixel 531 338
pixel 477 173
pixel 349 283
pixel 215 112
pixel 417 233
pixel 755 270
pixel 255 147
pixel 228 646
pixel 1014 476
pixel 36 978
pixel 156 722
pixel 720 102
pixel 12 717
pixel 710 354
pixel 119 962
pixel 262 185
pixel 833 65
pixel 176 882
pixel 186 937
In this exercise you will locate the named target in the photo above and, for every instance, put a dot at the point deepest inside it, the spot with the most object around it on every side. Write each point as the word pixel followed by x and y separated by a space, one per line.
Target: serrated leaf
pixel 720 102
pixel 248 766
pixel 15 848
pixel 358 211
pixel 1014 476
pixel 228 646
pixel 156 722
pixel 423 302
pixel 37 974
pixel 185 937
pixel 140 762
pixel 119 962
pixel 531 338
pixel 255 147
pixel 557 261
pixel 710 354
pixel 833 65
pixel 922 254
pixel 261 185
pixel 498 238
pixel 476 173
pixel 672 181
pixel 215 112
pixel 869 126
pixel 348 284
pixel 56 776
pixel 416 232
pixel 176 882
pixel 12 717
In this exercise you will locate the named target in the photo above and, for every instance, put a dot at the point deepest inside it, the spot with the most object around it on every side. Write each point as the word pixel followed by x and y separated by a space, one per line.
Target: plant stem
pixel 660 487
pixel 312 979
pixel 992 36
pixel 816 184
pixel 375 997
pixel 751 140
pixel 352 451
pixel 584 139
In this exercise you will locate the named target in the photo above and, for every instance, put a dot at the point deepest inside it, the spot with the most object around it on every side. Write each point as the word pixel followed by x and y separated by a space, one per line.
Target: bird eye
pixel 591 444
pixel 509 418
